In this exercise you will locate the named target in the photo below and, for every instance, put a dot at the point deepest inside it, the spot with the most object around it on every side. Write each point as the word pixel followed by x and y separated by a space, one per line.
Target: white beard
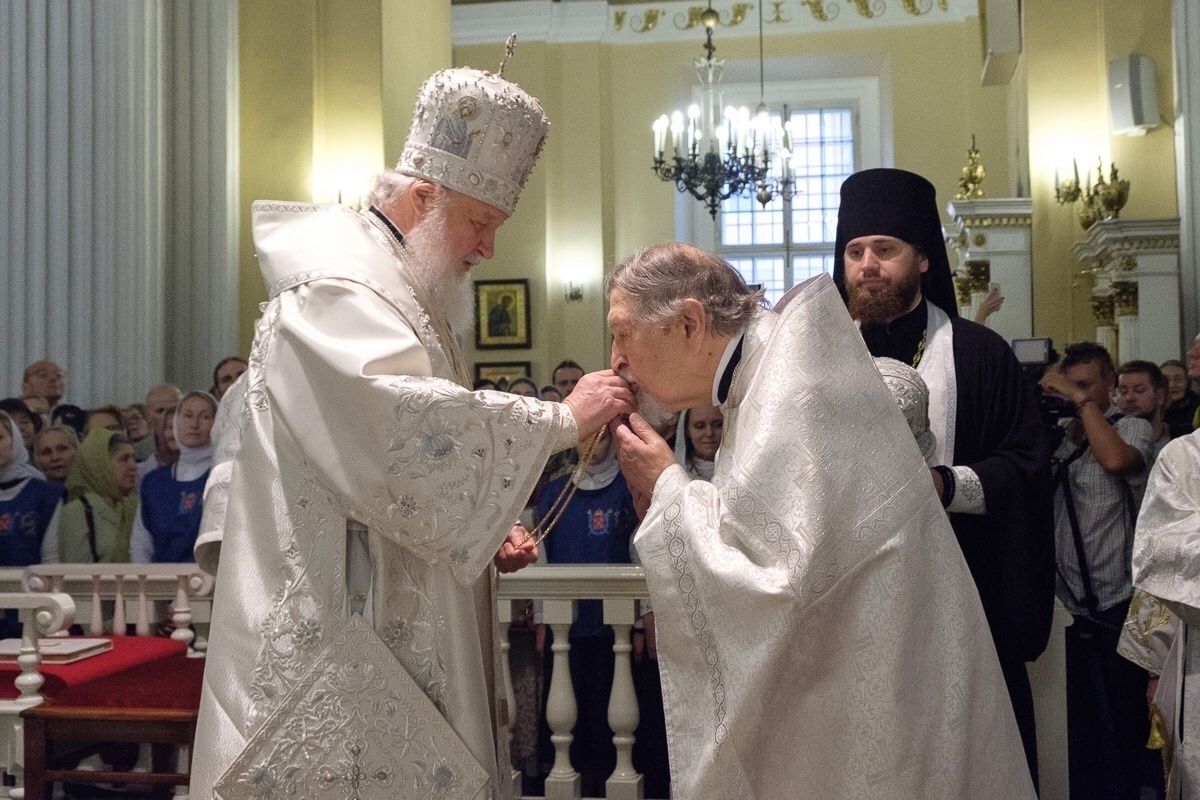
pixel 649 407
pixel 436 272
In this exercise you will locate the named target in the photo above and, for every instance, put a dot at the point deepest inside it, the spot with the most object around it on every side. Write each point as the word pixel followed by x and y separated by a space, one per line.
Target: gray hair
pixel 392 183
pixel 65 430
pixel 388 186
pixel 659 278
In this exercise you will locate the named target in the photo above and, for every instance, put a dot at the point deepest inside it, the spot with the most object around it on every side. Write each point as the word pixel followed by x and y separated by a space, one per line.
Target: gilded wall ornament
pixel 962 288
pixel 870 8
pixel 647 22
pixel 777 16
pixel 1103 310
pixel 819 12
pixel 979 274
pixel 1125 297
pixel 695 16
pixel 619 20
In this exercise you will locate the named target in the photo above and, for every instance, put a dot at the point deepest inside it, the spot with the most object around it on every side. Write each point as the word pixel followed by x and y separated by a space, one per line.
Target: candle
pixel 660 136
pixel 677 133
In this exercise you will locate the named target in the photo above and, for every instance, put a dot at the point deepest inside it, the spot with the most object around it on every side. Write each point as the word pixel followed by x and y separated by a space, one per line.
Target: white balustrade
pixel 40 615
pixel 619 587
pixel 140 584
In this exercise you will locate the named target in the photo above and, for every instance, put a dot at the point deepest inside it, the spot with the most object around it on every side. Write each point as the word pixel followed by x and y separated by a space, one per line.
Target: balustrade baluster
pixel 118 627
pixel 30 681
pixel 625 783
pixel 182 617
pixel 143 613
pixel 563 781
pixel 96 627
pixel 505 617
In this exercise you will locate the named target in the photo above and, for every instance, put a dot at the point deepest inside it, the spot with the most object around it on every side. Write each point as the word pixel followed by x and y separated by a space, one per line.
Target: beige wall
pixel 313 111
pixel 1068 44
pixel 312 99
pixel 594 200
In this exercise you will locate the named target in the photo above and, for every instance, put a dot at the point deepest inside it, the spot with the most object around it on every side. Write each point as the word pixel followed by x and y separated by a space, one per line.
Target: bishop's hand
pixel 642 453
pixel 518 550
pixel 596 399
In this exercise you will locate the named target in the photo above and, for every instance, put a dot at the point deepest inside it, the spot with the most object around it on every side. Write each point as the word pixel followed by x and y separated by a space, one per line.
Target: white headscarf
pixel 602 473
pixel 19 467
pixel 193 461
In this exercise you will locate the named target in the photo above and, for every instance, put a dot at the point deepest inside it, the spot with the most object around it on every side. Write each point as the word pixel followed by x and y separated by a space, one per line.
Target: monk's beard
pixel 649 407
pixel 885 302
pixel 437 273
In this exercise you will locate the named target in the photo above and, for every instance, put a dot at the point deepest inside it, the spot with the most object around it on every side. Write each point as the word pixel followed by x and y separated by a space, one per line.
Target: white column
pixel 1160 325
pixel 1187 161
pixel 1139 259
pixel 1106 337
pixel 625 783
pixel 563 781
pixel 998 230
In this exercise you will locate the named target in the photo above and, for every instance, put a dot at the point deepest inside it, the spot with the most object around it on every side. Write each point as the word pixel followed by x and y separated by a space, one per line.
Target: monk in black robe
pixel 992 464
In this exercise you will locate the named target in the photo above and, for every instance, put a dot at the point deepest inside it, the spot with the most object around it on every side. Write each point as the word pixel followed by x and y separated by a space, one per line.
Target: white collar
pixel 724 365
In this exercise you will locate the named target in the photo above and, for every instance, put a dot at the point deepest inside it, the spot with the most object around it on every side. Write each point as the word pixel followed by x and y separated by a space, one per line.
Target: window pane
pixel 805 267
pixel 766 272
pixel 823 158
pixel 745 221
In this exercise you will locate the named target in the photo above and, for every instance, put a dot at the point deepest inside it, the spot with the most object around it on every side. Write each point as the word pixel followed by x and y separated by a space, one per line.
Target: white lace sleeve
pixel 968 492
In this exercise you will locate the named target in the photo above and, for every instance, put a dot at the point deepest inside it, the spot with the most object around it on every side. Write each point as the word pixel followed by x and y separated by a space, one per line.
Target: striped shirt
pixel 1106 506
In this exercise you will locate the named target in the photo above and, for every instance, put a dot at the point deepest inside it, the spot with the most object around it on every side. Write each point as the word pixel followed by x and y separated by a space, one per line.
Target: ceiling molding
pixel 676 20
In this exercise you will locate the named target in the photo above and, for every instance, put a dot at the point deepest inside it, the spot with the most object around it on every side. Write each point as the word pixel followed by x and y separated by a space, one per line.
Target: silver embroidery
pixel 354 727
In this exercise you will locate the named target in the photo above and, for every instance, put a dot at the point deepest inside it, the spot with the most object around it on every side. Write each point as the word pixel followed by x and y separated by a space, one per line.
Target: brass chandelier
pixel 714 154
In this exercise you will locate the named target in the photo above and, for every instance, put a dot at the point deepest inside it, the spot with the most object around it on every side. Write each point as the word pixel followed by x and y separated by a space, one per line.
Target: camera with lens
pixel 1035 355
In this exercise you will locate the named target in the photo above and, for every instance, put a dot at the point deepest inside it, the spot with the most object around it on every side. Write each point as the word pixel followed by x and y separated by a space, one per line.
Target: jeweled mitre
pixel 476 133
pixel 912 395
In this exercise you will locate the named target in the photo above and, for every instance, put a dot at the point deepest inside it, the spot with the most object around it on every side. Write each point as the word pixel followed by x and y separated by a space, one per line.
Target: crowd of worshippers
pixel 126 484
pixel 110 484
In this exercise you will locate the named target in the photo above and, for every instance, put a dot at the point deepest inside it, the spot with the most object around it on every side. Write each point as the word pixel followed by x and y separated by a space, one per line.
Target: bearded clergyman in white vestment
pixel 1166 567
pixel 364 492
pixel 819 634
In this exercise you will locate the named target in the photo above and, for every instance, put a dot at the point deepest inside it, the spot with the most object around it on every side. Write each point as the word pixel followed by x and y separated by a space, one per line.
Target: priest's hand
pixel 598 398
pixel 517 551
pixel 642 453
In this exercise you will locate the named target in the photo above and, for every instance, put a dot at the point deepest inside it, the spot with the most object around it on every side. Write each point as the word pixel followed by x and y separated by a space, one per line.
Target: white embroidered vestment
pixel 353 409
pixel 819 634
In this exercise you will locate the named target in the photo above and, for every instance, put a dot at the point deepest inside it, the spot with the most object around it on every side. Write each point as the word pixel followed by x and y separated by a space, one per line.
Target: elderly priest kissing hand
pixel 817 624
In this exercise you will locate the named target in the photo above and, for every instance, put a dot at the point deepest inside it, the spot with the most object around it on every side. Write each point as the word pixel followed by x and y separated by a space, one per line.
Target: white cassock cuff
pixel 968 493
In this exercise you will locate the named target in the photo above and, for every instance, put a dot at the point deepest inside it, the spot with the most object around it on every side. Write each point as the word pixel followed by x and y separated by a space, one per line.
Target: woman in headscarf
pixel 29 505
pixel 696 449
pixel 98 520
pixel 166 528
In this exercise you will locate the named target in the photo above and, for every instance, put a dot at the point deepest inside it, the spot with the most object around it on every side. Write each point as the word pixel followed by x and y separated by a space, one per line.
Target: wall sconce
pixel 574 293
pixel 1102 200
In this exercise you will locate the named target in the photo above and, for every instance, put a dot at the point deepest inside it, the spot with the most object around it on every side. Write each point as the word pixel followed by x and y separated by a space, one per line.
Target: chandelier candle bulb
pixel 660 136
pixel 677 133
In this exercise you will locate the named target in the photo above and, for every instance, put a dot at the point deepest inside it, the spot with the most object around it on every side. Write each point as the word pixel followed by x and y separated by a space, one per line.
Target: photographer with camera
pixel 1099 468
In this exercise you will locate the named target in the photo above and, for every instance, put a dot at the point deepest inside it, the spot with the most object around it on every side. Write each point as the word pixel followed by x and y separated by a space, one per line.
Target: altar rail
pixel 132 590
pixel 53 596
pixel 619 586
